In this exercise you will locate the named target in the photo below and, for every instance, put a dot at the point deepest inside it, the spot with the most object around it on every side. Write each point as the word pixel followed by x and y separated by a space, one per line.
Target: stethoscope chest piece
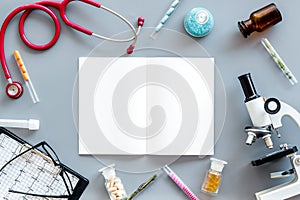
pixel 14 90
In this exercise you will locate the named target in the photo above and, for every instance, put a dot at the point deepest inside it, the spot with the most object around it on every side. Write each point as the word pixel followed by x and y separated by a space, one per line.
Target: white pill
pixel 112 189
pixel 120 193
pixel 110 183
pixel 119 186
pixel 117 181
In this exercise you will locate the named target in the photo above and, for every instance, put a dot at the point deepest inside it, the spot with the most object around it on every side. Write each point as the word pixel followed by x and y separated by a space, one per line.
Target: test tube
pixel 165 18
pixel 31 124
pixel 26 77
pixel 285 70
pixel 179 183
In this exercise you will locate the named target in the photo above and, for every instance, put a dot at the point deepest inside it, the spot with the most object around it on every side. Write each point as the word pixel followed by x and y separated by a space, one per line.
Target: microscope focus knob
pixel 272 106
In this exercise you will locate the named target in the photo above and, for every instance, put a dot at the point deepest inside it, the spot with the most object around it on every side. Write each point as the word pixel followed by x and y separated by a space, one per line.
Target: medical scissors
pixel 14 89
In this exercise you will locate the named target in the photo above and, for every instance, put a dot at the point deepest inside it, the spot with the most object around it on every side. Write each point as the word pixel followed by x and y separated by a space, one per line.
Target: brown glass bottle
pixel 260 20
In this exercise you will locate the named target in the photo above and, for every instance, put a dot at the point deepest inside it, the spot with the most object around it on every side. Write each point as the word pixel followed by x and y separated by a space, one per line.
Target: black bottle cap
pixel 248 87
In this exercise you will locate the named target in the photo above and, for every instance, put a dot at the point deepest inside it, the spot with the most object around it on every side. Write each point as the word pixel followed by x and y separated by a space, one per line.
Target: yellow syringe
pixel 26 77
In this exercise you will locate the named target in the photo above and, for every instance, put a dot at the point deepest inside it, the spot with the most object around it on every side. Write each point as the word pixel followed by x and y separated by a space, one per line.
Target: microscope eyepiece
pixel 248 87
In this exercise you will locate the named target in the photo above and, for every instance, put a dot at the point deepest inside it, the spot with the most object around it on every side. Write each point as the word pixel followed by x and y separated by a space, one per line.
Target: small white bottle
pixel 213 177
pixel 113 184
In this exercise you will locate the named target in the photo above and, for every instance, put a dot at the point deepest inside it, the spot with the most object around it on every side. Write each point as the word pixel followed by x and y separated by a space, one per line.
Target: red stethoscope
pixel 14 89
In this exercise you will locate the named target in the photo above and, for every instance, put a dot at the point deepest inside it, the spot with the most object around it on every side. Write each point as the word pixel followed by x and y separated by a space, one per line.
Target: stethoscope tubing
pixel 6 23
pixel 61 6
pixel 135 32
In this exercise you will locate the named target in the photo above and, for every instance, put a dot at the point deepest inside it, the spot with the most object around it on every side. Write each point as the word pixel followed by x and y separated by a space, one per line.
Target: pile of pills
pixel 115 188
pixel 113 184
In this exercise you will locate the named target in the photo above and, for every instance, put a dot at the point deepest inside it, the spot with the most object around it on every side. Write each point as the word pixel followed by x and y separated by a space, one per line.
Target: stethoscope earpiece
pixel 14 90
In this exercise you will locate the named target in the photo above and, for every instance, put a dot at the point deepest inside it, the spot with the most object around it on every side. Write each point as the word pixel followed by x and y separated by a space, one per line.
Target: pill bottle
pixel 113 184
pixel 213 177
pixel 260 20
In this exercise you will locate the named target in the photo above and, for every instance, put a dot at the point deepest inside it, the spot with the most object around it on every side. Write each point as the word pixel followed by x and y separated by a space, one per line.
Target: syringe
pixel 180 183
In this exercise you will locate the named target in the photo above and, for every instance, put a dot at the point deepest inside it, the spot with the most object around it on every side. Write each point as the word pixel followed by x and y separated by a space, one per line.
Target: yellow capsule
pixel 25 76
pixel 23 69
pixel 21 65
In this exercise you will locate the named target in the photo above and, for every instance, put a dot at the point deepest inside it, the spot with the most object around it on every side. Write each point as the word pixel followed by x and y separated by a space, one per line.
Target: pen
pixel 144 185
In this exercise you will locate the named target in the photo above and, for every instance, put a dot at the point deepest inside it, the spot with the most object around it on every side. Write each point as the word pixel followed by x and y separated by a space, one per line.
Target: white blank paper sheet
pixel 140 106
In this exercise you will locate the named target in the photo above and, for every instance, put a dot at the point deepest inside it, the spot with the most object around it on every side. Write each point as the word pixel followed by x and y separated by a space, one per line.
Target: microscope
pixel 266 116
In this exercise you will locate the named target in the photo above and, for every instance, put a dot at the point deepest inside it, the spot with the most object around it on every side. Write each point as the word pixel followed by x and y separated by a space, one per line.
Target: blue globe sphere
pixel 198 22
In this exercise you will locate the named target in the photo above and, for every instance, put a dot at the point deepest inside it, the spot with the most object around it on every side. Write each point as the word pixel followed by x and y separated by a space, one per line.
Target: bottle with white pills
pixel 113 184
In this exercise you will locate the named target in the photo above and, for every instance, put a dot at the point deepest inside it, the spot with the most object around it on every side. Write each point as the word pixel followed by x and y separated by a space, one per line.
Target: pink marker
pixel 180 183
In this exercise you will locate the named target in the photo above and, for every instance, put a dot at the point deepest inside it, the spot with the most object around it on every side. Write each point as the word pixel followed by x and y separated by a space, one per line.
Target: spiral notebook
pixel 33 173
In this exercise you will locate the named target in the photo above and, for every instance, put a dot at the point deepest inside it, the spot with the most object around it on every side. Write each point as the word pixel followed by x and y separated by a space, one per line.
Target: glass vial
pixel 260 20
pixel 113 184
pixel 213 176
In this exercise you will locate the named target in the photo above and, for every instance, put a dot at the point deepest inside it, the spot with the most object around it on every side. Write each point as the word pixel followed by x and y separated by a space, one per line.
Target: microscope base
pixel 285 190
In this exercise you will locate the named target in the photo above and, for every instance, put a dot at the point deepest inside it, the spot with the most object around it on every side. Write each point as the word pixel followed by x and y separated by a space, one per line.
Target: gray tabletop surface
pixel 54 74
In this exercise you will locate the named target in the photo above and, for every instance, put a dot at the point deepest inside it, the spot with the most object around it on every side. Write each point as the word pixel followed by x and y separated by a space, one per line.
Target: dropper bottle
pixel 213 177
pixel 260 20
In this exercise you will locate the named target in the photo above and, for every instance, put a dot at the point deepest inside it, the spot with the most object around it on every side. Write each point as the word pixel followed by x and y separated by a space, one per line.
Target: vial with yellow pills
pixel 213 176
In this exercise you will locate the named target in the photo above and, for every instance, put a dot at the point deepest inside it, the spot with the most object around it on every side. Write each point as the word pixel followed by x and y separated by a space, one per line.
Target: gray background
pixel 54 73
